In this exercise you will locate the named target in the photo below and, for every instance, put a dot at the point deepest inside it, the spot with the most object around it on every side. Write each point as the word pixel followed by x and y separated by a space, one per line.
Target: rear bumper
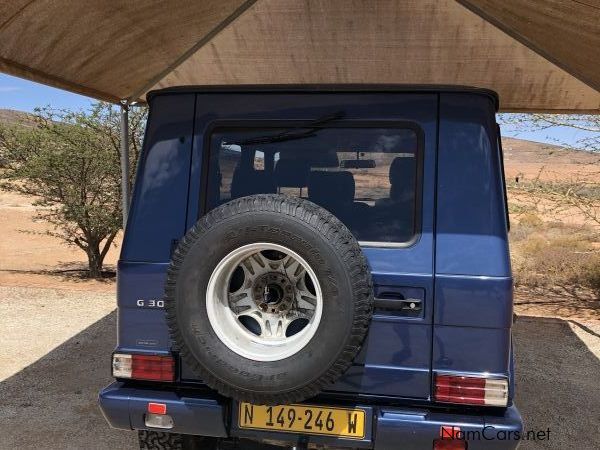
pixel 388 427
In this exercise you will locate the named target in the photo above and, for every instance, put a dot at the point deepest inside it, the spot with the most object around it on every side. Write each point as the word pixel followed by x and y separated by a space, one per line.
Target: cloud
pixel 10 88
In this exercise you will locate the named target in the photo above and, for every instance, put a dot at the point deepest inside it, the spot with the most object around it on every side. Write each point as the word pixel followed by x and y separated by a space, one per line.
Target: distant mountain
pixel 522 151
pixel 528 159
pixel 12 117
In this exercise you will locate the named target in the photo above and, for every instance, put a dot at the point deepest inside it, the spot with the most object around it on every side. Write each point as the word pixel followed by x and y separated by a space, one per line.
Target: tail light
pixel 157 408
pixel 449 444
pixel 143 367
pixel 471 390
pixel 157 416
pixel 450 439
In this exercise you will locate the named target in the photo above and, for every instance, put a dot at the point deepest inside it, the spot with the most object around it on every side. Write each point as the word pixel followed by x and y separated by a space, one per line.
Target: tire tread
pixel 336 233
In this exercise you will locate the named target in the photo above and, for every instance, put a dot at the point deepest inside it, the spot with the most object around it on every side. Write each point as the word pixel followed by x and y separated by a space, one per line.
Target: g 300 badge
pixel 150 303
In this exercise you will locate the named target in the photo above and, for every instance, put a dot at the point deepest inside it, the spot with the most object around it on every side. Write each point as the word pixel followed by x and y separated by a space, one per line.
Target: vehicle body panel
pixel 392 269
pixel 457 266
pixel 473 280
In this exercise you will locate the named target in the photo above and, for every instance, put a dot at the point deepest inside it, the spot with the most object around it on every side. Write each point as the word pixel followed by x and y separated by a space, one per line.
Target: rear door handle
pixel 399 304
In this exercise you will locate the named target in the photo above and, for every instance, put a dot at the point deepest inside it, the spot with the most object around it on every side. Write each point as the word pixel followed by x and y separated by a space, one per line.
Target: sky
pixel 564 136
pixel 23 95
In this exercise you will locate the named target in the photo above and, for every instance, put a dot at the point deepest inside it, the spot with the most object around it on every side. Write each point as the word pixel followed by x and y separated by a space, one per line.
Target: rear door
pixel 396 357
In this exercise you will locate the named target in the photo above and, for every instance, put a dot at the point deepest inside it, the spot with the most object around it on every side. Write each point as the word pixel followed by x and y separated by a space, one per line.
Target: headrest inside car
pixel 247 181
pixel 329 188
pixel 402 176
pixel 291 173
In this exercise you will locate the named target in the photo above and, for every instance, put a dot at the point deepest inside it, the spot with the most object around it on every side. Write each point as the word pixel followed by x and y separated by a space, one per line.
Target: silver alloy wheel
pixel 264 302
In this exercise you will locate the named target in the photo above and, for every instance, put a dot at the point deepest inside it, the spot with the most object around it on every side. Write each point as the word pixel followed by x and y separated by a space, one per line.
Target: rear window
pixel 368 176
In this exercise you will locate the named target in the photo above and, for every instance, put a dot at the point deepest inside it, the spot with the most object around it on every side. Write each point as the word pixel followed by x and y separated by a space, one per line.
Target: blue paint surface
pixel 457 266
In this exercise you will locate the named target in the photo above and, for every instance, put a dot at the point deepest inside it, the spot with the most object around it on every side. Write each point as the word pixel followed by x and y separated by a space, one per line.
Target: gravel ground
pixel 558 365
pixel 35 321
pixel 57 355
pixel 52 403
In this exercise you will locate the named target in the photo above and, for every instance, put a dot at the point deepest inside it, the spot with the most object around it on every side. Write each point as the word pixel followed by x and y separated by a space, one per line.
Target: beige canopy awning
pixel 538 55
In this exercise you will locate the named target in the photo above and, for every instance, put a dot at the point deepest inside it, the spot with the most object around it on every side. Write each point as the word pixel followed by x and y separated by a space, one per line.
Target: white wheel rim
pixel 264 303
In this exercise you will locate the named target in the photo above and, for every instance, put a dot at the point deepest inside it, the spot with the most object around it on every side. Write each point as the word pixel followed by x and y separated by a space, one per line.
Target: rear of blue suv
pixel 317 267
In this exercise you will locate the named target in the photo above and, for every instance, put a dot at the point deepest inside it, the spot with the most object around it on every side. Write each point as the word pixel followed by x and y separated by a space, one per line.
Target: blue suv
pixel 317 266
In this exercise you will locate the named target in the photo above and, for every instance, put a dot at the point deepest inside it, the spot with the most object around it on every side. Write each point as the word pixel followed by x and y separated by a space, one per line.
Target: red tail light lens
pixel 154 368
pixel 157 408
pixel 144 367
pixel 471 390
pixel 449 444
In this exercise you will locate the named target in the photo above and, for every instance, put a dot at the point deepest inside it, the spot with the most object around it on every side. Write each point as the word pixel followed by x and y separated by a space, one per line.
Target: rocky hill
pixel 527 158
pixel 12 117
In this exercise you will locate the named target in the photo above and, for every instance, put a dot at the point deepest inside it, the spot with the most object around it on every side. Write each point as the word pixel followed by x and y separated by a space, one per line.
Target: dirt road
pixel 28 254
pixel 50 402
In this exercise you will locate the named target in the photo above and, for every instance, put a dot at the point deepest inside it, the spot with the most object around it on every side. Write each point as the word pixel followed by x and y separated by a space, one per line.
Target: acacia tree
pixel 565 257
pixel 70 162
pixel 580 191
pixel 589 125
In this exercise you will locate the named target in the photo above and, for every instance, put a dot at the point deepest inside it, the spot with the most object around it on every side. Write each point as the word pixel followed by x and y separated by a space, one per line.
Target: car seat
pixel 249 181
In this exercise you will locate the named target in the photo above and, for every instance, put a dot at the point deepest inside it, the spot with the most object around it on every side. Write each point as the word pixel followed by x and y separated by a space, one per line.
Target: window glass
pixel 366 176
pixel 259 160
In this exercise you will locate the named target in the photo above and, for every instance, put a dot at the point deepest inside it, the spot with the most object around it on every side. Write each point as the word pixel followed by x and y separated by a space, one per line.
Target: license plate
pixel 304 419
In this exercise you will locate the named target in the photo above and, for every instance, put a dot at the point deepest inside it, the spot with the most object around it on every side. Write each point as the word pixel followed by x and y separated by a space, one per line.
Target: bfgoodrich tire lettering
pixel 324 243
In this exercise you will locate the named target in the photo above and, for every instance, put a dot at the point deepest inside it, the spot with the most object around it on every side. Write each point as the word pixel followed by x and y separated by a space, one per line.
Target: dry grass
pixel 555 237
pixel 554 254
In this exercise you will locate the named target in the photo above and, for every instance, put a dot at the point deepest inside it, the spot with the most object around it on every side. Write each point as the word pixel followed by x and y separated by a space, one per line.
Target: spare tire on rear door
pixel 268 299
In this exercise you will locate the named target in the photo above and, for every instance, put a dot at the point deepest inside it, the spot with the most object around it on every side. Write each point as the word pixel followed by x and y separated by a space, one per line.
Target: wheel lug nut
pixel 263 306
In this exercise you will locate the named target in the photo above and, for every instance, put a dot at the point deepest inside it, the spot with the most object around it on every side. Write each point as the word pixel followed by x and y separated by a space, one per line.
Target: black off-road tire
pixel 156 440
pixel 339 265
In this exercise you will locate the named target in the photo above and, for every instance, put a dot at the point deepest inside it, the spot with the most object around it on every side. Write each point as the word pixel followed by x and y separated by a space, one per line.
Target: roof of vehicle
pixel 324 88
